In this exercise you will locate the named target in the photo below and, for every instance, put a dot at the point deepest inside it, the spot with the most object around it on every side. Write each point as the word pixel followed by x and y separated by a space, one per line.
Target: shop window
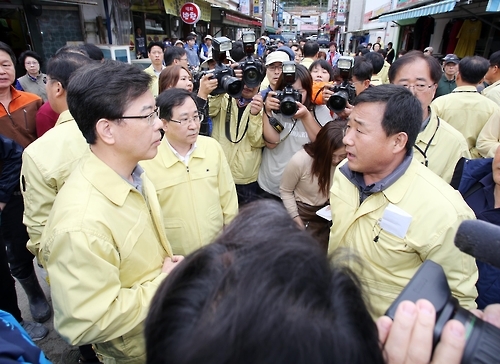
pixel 58 27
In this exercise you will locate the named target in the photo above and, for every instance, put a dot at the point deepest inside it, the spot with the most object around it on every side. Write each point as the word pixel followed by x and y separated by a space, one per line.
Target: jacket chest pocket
pixel 393 252
pixel 204 172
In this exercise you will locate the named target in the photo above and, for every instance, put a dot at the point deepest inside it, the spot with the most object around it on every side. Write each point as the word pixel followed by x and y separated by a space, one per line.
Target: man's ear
pixel 60 91
pixel 105 130
pixel 400 140
pixel 366 83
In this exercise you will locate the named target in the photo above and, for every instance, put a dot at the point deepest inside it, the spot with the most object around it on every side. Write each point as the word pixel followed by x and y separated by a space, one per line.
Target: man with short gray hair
pixel 464 108
pixel 447 82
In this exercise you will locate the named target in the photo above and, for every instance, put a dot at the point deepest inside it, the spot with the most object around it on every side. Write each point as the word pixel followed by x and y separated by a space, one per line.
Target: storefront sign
pixel 256 7
pixel 245 7
pixel 308 27
pixel 190 13
pixel 341 11
pixel 151 6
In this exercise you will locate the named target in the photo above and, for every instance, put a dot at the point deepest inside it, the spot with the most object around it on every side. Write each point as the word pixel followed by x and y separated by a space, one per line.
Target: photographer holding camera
pixel 290 120
pixel 238 122
pixel 361 74
pixel 339 96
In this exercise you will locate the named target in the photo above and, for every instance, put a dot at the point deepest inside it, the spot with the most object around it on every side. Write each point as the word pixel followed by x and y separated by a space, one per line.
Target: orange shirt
pixel 18 120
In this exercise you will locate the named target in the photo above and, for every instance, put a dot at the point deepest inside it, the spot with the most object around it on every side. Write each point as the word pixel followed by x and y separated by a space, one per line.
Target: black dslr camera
pixel 288 97
pixel 253 69
pixel 226 82
pixel 482 345
pixel 345 92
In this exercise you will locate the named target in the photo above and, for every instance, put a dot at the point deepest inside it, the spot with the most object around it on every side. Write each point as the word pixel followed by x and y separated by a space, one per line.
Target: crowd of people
pixel 190 213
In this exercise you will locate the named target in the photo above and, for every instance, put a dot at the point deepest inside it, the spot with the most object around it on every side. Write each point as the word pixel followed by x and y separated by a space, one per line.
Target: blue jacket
pixel 261 48
pixel 478 187
pixel 15 344
pixel 10 167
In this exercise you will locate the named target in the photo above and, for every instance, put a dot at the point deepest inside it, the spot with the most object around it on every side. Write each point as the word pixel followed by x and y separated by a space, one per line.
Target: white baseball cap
pixel 277 56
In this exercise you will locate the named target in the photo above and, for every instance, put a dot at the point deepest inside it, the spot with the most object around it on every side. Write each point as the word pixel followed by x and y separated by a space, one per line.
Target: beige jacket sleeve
pixel 39 196
pixel 227 189
pixel 488 139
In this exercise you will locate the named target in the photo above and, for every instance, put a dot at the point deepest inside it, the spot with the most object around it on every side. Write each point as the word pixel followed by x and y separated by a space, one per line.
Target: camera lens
pixel 288 106
pixel 251 77
pixel 232 86
pixel 338 101
pixel 430 283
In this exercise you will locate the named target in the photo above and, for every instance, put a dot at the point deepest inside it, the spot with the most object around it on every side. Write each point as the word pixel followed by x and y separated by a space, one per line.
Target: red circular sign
pixel 190 13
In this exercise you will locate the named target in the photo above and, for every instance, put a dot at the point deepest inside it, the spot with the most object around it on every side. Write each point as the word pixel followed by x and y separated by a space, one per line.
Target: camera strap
pixel 293 126
pixel 228 123
pixel 281 140
pixel 424 152
pixel 317 93
pixel 315 118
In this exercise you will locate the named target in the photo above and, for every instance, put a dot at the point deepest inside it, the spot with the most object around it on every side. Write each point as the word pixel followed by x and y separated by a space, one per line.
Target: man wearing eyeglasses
pixel 439 146
pixel 155 54
pixel 274 69
pixel 104 245
pixel 388 208
pixel 191 176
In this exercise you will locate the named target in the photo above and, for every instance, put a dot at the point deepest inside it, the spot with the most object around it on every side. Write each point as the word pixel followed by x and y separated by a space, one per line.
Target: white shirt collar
pixel 185 159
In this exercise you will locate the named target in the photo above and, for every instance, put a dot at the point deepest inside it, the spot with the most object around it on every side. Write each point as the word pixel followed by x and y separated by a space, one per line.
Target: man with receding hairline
pixel 439 146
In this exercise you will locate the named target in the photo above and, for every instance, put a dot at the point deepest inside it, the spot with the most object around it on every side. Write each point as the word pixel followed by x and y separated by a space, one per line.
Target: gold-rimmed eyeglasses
pixel 186 121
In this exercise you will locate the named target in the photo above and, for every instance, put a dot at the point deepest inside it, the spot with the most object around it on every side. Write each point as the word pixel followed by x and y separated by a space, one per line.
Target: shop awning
pixel 430 9
pixel 72 2
pixel 241 20
pixel 493 5
pixel 363 31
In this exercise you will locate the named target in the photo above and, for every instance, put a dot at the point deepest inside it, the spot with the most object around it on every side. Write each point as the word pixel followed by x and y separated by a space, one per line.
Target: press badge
pixel 395 221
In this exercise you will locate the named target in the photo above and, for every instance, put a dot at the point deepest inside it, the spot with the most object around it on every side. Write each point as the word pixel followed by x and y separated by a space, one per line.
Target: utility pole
pixel 264 11
pixel 320 23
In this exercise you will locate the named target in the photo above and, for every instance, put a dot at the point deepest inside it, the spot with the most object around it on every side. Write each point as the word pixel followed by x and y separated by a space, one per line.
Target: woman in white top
pixel 285 135
pixel 307 178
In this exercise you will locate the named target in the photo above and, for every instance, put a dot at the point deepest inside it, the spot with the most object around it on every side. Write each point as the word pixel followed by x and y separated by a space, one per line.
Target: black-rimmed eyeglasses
pixel 150 117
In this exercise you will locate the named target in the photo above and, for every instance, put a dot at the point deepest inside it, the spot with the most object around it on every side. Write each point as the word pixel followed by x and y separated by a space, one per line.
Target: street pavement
pixel 54 347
